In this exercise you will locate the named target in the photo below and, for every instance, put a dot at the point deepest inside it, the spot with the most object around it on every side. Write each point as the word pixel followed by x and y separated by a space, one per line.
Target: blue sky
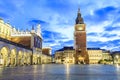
pixel 57 19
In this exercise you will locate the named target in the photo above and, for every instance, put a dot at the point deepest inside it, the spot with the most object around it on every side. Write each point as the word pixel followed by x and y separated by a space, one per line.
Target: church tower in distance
pixel 80 40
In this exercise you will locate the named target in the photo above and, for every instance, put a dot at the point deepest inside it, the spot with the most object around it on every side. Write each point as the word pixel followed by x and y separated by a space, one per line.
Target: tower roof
pixel 79 19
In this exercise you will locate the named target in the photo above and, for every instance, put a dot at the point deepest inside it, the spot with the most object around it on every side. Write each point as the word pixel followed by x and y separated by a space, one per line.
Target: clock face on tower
pixel 80 27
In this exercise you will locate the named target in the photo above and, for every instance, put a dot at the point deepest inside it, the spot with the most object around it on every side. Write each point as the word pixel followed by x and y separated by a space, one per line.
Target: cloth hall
pixel 20 47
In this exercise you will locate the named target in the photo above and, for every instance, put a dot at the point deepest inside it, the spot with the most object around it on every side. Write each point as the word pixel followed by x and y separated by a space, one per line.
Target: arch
pixel 28 58
pixel 38 59
pixel 20 58
pixel 34 58
pixel 25 58
pixel 13 57
pixel 4 58
pixel 31 57
pixel 81 60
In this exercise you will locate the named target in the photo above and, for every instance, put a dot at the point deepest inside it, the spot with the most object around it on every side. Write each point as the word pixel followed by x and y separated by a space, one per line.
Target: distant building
pixel 47 50
pixel 47 56
pixel 106 55
pixel 65 55
pixel 95 55
pixel 59 56
pixel 116 57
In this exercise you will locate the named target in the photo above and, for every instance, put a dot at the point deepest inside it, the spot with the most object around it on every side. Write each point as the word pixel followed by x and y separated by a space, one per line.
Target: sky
pixel 57 20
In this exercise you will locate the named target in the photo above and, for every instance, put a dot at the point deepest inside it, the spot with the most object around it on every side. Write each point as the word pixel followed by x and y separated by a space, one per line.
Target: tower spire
pixel 78 10
pixel 79 19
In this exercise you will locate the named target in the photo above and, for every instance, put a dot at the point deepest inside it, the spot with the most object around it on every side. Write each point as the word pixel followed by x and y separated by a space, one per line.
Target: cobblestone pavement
pixel 61 72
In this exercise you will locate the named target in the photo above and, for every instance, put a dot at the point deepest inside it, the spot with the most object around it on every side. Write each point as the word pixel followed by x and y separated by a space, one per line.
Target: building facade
pixel 81 55
pixel 19 47
pixel 12 54
pixel 106 55
pixel 65 55
pixel 95 55
pixel 47 55
pixel 58 56
pixel 116 57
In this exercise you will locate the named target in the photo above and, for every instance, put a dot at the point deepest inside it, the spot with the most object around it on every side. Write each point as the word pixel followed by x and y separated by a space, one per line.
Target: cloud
pixel 53 35
pixel 112 28
pixel 92 34
pixel 37 21
pixel 109 45
pixel 105 11
pixel 112 45
pixel 101 15
pixel 51 38
pixel 68 43
pixel 103 28
pixel 109 36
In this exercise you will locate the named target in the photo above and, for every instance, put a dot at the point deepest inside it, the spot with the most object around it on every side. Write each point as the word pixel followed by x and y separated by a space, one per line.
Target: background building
pixel 47 50
pixel 95 55
pixel 65 55
pixel 106 57
pixel 58 56
pixel 81 55
pixel 46 55
pixel 116 57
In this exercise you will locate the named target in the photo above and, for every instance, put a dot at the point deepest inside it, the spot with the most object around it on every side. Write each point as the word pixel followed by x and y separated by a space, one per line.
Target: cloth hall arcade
pixel 19 47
